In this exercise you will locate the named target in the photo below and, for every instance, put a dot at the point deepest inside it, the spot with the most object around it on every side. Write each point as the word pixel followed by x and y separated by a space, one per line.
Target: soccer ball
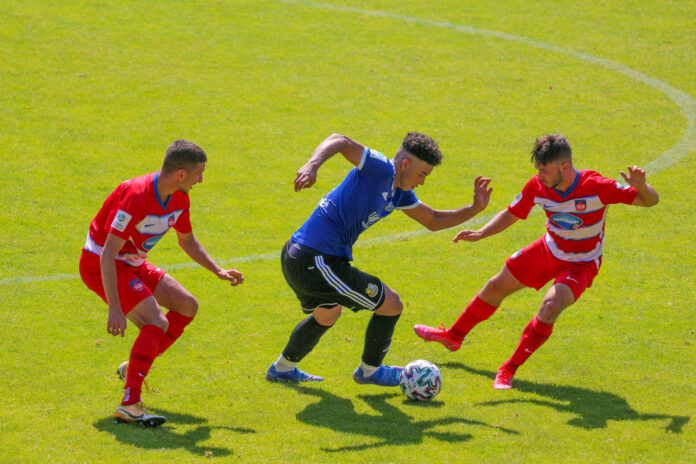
pixel 420 380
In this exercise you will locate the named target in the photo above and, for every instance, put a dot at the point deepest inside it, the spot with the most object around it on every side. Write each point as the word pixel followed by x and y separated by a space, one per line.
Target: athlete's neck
pixel 165 186
pixel 568 181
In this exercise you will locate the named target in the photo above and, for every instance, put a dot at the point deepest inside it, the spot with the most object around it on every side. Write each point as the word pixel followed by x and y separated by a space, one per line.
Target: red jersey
pixel 574 219
pixel 135 212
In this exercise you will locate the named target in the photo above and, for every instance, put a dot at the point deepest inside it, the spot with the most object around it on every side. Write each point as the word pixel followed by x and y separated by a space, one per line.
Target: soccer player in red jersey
pixel 113 264
pixel 575 202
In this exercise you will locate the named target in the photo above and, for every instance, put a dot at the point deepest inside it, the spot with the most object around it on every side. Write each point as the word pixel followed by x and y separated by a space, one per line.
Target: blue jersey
pixel 364 197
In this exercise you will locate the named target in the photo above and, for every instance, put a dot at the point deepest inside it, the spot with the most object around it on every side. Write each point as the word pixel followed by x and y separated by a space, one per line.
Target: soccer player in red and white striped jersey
pixel 575 202
pixel 114 265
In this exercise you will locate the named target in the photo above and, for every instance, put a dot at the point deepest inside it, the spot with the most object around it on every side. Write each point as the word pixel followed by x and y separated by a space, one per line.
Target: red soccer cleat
pixel 440 335
pixel 503 379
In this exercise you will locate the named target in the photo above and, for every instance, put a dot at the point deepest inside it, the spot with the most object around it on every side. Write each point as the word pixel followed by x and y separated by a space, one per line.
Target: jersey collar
pixel 572 187
pixel 159 200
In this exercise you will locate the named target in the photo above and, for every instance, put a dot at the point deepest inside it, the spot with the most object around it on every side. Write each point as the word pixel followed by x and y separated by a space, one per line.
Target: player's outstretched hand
pixel 635 176
pixel 482 193
pixel 306 177
pixel 116 323
pixel 468 236
pixel 233 276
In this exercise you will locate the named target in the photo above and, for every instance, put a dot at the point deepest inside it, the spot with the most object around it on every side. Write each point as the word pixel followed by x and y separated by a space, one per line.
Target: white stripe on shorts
pixel 340 286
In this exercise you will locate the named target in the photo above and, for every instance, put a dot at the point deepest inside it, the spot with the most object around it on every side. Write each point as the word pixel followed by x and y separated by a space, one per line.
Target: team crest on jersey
pixel 580 205
pixel 137 285
pixel 371 290
pixel 171 221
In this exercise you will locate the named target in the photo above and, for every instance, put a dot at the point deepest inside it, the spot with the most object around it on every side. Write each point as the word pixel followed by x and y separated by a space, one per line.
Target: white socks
pixel 283 365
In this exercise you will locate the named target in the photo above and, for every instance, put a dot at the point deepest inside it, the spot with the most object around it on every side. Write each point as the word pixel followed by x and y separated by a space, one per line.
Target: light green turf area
pixel 93 92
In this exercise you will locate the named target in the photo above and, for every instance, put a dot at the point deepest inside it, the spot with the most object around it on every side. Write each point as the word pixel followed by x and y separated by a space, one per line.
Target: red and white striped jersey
pixel 135 212
pixel 574 219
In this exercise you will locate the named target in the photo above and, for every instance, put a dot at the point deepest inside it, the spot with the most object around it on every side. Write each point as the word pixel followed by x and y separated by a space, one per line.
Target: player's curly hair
pixel 422 147
pixel 550 148
pixel 182 154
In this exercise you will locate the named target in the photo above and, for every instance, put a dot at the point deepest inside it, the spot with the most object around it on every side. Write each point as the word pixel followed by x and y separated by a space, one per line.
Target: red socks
pixel 534 335
pixel 142 355
pixel 177 323
pixel 476 311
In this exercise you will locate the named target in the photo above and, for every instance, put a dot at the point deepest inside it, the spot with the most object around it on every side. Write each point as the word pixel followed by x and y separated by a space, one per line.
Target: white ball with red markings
pixel 420 380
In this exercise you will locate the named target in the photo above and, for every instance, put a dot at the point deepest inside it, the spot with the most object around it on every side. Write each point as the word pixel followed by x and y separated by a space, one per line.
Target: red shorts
pixel 534 266
pixel 134 283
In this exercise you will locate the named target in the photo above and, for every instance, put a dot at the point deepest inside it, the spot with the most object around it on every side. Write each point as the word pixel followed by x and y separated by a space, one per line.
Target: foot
pixel 294 376
pixel 122 373
pixel 385 376
pixel 438 334
pixel 503 379
pixel 136 413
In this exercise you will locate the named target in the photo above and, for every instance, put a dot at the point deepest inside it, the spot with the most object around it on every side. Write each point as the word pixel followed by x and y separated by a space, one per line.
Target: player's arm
pixel 647 195
pixel 334 143
pixel 435 219
pixel 192 247
pixel 116 321
pixel 499 223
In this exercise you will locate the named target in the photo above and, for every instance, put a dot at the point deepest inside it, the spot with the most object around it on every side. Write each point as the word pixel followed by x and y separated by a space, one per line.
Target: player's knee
pixel 187 306
pixel 190 306
pixel 549 311
pixel 392 305
pixel 160 321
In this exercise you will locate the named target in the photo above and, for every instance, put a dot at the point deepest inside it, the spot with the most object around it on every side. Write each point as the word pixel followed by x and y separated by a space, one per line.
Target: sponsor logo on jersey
pixel 566 221
pixel 137 285
pixel 150 242
pixel 374 217
pixel 323 203
pixel 121 220
pixel 580 205
pixel 371 290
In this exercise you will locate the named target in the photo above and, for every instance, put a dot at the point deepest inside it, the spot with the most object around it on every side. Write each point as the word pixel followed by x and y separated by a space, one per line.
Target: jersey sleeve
pixel 183 224
pixel 407 200
pixel 374 164
pixel 123 215
pixel 524 202
pixel 612 192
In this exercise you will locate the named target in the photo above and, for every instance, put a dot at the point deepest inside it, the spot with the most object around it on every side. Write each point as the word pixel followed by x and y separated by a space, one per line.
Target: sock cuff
pixel 481 309
pixel 152 330
pixel 541 328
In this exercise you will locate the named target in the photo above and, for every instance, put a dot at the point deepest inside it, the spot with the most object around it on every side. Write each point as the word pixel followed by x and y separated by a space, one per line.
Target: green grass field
pixel 94 92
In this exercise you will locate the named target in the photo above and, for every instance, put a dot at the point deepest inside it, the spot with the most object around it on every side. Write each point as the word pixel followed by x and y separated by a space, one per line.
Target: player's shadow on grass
pixel 593 408
pixel 166 437
pixel 390 426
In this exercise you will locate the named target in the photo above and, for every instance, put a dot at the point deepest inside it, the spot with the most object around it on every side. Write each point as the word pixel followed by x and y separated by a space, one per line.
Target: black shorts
pixel 324 281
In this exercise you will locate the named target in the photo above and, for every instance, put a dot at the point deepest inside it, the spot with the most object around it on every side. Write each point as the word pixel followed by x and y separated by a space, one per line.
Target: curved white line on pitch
pixel 664 161
pixel 684 100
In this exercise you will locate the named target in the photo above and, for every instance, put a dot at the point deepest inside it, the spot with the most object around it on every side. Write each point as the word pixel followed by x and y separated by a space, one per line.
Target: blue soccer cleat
pixel 385 376
pixel 294 376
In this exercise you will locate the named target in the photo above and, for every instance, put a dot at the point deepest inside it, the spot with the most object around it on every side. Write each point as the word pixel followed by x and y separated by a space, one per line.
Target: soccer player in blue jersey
pixel 316 260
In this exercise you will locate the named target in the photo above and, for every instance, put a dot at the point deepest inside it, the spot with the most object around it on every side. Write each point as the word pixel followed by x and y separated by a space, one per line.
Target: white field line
pixel 685 101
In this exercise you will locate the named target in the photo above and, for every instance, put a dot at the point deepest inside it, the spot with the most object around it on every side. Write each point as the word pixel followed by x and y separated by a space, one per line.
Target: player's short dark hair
pixel 183 154
pixel 422 147
pixel 550 148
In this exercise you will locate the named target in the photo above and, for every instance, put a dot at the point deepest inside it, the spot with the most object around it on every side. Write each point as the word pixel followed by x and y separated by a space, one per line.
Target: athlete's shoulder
pixel 138 184
pixel 589 178
pixel 374 160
